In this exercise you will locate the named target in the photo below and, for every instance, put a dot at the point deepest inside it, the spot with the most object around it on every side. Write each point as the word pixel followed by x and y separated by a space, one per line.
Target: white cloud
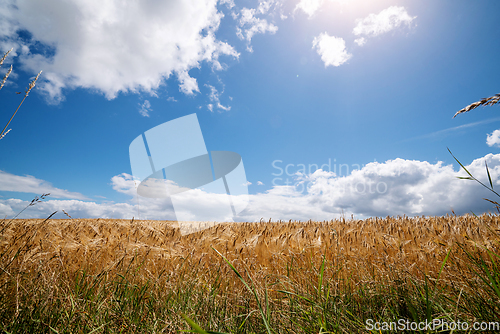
pixel 251 25
pixel 77 209
pixel 493 139
pixel 260 183
pixel 309 6
pixel 229 3
pixel 385 21
pixel 448 131
pixel 125 184
pixel 214 97
pixel 214 94
pixel 145 108
pixel 30 184
pixel 395 187
pixel 225 108
pixel 331 49
pixel 114 46
pixel 360 41
pixel 188 85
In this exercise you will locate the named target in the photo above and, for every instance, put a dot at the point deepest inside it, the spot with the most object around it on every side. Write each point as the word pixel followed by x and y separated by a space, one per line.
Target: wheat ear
pixel 5 56
pixel 5 77
pixel 8 72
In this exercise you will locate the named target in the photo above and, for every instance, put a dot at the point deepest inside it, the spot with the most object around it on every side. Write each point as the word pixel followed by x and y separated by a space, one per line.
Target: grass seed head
pixel 5 77
pixel 487 101
pixel 5 56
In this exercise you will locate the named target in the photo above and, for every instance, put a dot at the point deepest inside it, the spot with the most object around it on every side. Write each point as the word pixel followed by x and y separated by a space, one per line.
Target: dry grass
pixel 31 85
pixel 487 101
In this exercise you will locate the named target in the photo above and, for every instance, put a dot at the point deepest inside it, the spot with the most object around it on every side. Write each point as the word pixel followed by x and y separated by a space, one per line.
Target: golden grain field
pixel 374 254
pixel 409 244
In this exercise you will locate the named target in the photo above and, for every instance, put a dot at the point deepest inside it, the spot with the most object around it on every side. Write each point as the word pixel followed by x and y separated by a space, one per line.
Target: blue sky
pixel 366 87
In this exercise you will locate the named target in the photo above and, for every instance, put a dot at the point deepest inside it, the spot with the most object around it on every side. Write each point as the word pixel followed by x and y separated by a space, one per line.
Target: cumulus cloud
pixel 260 183
pixel 188 85
pixel 124 183
pixel 493 139
pixel 113 46
pixel 30 184
pixel 394 187
pixel 249 24
pixel 385 21
pixel 309 6
pixel 207 203
pixel 145 108
pixel 331 49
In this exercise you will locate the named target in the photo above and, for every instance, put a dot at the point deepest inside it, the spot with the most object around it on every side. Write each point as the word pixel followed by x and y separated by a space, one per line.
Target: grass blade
pixel 193 324
pixel 263 314
pixel 489 176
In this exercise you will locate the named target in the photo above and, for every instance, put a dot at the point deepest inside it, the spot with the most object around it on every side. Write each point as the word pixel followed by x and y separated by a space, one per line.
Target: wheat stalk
pixel 30 87
pixel 487 101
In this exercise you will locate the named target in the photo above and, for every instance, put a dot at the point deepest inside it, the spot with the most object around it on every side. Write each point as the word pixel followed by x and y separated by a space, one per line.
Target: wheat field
pixel 415 244
pixel 107 275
